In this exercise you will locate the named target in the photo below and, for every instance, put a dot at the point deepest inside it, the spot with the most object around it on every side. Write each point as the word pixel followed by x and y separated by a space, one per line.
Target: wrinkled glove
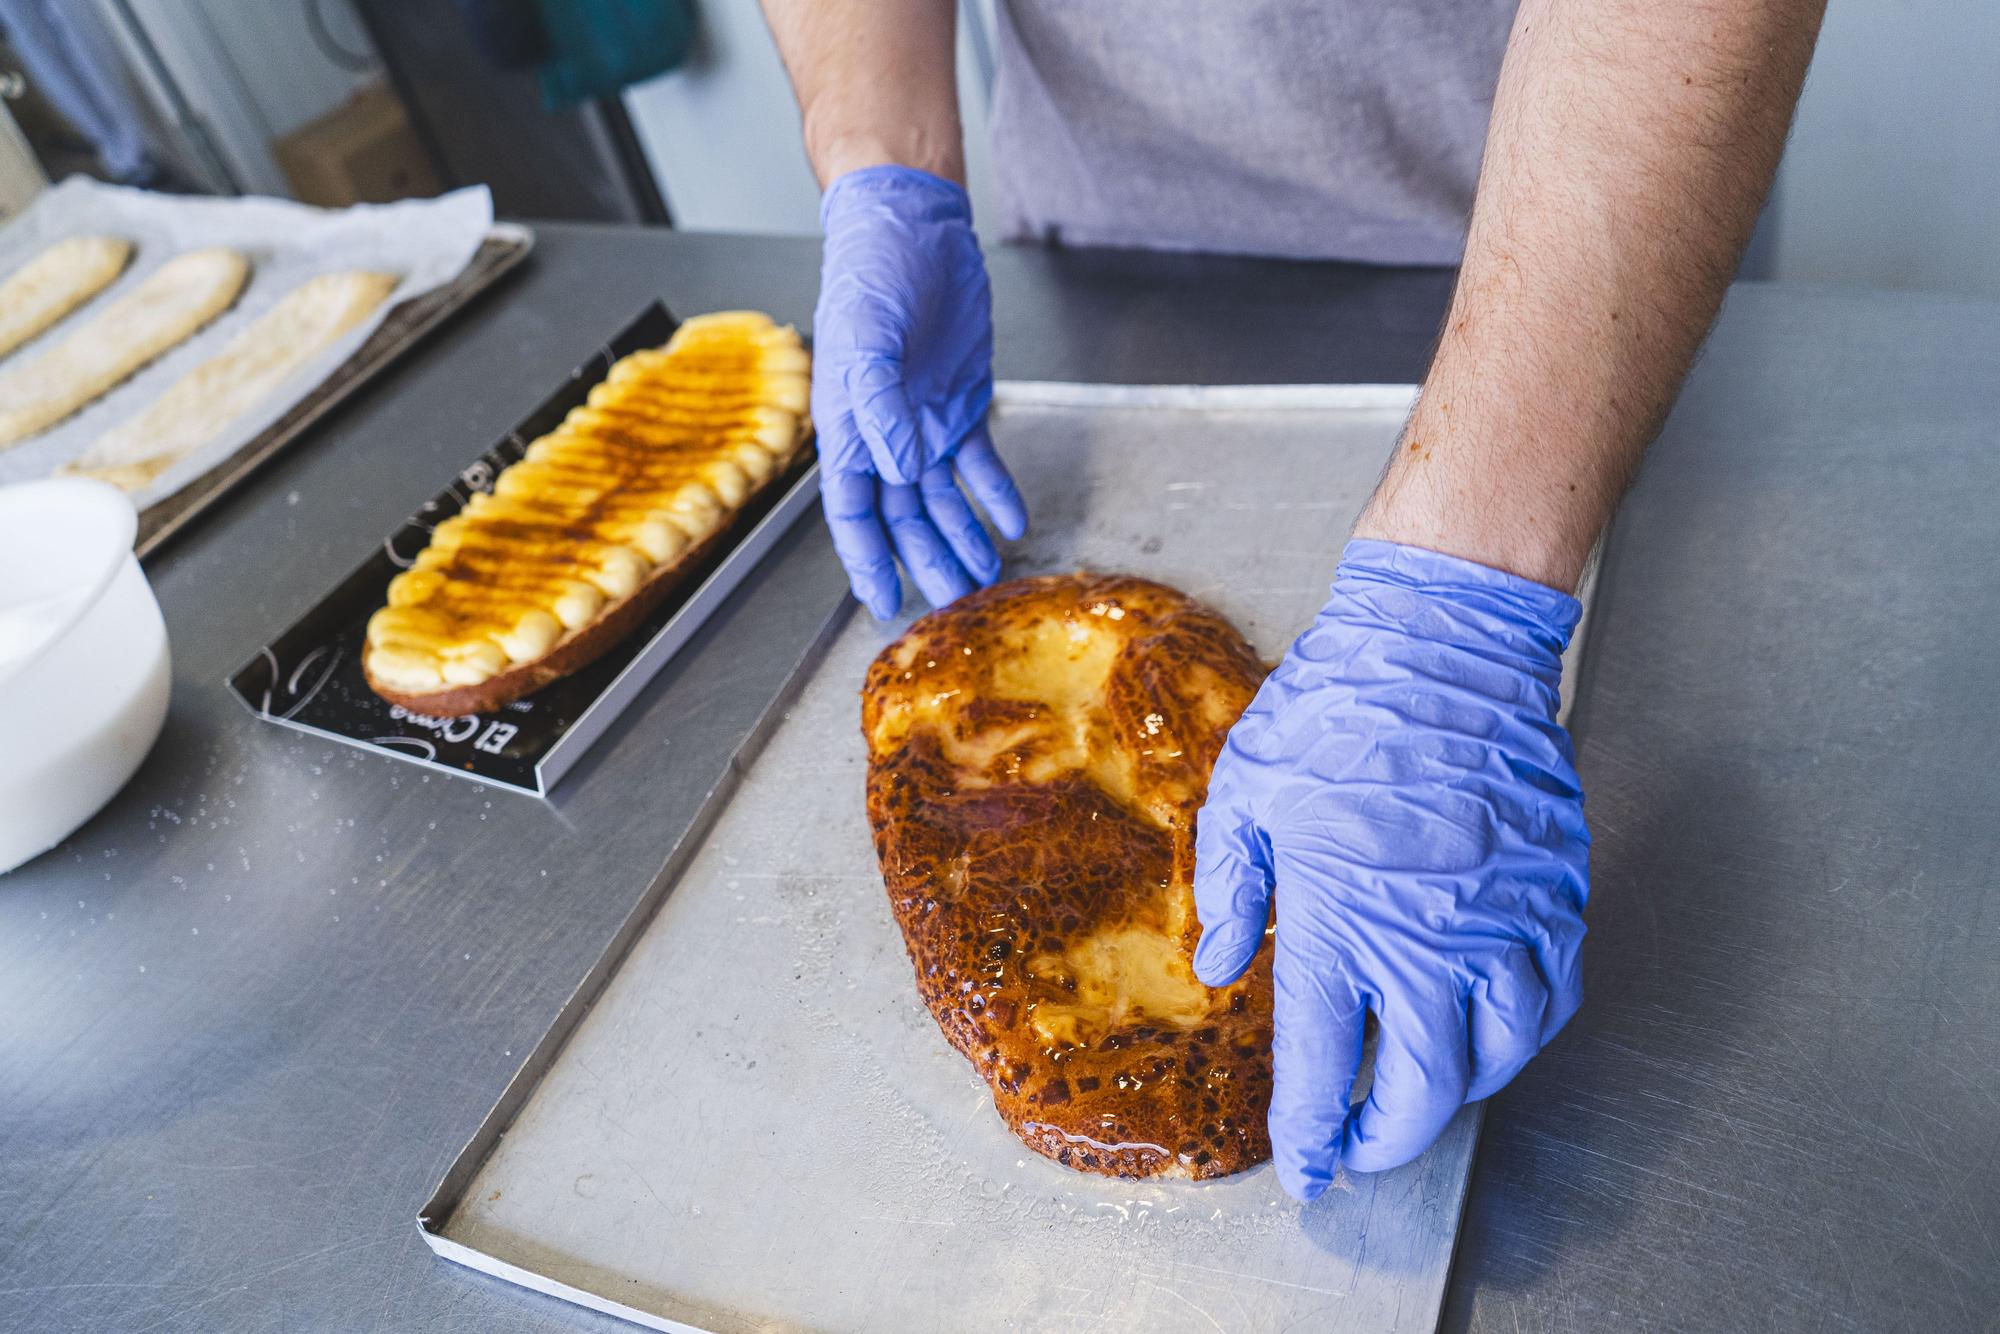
pixel 1402 785
pixel 902 374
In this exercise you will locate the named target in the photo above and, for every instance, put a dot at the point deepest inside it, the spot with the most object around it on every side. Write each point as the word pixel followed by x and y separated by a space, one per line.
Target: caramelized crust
pixel 1037 753
pixel 581 538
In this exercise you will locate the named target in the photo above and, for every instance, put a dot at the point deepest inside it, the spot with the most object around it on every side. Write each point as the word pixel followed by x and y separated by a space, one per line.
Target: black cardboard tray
pixel 309 677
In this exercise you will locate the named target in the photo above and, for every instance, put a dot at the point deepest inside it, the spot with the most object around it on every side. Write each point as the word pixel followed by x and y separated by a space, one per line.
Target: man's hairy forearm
pixel 1631 147
pixel 875 82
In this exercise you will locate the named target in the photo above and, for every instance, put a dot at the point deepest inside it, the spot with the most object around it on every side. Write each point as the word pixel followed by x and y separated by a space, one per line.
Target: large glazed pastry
pixel 1037 753
pixel 261 357
pixel 585 535
pixel 171 303
pixel 55 282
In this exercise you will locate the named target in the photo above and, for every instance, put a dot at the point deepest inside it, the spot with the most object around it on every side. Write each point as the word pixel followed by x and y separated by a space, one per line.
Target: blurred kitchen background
pixel 677 112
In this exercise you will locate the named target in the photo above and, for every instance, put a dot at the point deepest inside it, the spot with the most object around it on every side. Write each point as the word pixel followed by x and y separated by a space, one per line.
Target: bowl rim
pixel 90 492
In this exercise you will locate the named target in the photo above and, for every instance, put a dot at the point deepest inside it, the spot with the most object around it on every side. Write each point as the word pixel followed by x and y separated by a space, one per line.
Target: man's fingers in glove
pixel 1317 1021
pixel 1560 958
pixel 855 524
pixel 1507 1008
pixel 1232 893
pixel 924 552
pixel 961 528
pixel 883 414
pixel 987 478
pixel 1421 1078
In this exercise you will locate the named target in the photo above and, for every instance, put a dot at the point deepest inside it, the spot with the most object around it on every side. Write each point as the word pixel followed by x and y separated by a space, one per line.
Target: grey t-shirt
pixel 1323 129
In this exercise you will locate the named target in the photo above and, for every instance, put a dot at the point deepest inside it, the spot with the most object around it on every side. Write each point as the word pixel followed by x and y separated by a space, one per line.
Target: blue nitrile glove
pixel 1403 783
pixel 902 374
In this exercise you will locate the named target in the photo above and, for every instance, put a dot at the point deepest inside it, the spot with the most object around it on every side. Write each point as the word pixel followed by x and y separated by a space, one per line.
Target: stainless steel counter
pixel 249 1013
pixel 1780 1106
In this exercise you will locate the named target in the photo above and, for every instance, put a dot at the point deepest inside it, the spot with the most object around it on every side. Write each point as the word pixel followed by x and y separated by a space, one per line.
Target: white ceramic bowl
pixel 84 670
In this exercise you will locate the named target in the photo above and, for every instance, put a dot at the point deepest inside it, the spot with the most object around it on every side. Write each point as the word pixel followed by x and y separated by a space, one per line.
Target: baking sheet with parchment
pixel 425 242
pixel 759 1127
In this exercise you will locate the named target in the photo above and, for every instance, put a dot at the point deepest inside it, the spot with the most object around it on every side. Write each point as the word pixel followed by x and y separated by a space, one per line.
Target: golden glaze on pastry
pixel 596 513
pixel 1037 753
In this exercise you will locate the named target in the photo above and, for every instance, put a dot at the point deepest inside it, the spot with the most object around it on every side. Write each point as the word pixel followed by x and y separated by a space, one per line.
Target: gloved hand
pixel 1402 782
pixel 902 374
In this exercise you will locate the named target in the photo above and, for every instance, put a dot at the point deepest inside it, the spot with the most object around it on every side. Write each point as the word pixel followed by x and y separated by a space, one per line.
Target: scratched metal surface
pixel 1800 664
pixel 224 1086
pixel 759 1125
pixel 1779 1108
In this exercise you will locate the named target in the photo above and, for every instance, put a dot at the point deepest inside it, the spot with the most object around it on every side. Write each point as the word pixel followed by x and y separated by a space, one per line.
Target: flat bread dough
pixel 176 299
pixel 260 358
pixel 1037 751
pixel 55 282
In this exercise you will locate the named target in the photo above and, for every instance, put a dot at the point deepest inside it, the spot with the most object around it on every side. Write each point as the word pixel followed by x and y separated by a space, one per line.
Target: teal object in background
pixel 599 47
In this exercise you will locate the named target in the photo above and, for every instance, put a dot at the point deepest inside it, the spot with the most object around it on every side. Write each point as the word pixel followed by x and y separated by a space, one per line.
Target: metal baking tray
pixel 309 677
pixel 743 1119
pixel 505 246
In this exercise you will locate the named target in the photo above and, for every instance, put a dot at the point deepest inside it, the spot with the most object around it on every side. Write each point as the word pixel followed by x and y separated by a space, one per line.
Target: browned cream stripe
pixel 659 421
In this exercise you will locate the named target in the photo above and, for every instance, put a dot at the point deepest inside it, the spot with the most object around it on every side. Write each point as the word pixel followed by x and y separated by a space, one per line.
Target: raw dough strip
pixel 55 282
pixel 261 357
pixel 175 300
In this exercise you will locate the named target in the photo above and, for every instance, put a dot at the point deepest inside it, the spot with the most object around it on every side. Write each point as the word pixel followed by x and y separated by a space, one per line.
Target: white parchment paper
pixel 426 242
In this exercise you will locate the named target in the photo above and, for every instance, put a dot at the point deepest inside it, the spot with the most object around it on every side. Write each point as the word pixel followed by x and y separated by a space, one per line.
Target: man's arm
pixel 1631 146
pixel 875 81
pixel 903 331
pixel 1400 791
